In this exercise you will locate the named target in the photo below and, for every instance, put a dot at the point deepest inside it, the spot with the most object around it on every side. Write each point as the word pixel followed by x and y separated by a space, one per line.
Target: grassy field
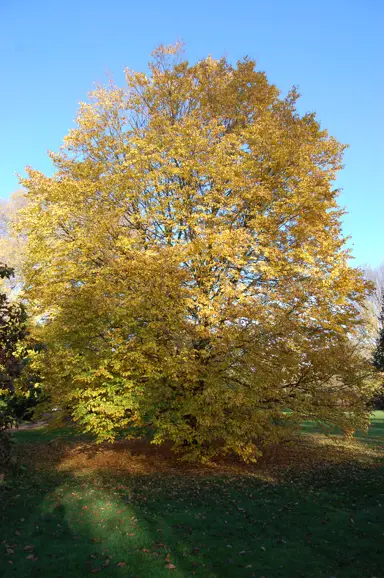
pixel 313 509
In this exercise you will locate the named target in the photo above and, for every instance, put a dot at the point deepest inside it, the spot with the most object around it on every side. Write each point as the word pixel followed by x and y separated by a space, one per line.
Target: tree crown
pixel 198 278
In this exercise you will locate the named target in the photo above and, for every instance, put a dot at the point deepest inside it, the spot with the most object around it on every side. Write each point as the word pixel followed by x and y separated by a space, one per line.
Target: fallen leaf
pixel 28 547
pixel 121 564
pixel 171 567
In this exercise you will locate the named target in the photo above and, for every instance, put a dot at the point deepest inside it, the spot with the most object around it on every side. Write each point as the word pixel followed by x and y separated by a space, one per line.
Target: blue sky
pixel 52 52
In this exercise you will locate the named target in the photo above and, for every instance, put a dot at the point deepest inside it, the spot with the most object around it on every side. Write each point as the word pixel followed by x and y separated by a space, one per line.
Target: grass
pixel 312 509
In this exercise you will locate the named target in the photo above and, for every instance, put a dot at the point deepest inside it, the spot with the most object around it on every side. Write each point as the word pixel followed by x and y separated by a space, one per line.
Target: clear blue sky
pixel 52 51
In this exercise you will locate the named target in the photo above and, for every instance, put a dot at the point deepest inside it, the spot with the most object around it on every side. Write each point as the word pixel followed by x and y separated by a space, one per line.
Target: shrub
pixel 7 421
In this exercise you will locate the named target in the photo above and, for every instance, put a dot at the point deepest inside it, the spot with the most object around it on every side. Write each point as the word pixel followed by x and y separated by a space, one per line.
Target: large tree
pixel 188 260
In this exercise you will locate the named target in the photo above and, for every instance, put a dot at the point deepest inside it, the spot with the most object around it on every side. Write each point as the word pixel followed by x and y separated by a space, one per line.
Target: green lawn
pixel 313 510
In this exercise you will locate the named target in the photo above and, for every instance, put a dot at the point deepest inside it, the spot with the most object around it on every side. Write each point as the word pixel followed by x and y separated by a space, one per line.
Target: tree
pixel 378 357
pixel 373 304
pixel 16 346
pixel 12 332
pixel 19 384
pixel 11 245
pixel 376 276
pixel 188 262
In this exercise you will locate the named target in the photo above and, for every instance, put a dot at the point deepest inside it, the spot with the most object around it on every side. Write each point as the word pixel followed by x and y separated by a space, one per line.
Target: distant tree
pixel 188 260
pixel 11 244
pixel 369 311
pixel 378 357
pixel 373 304
pixel 376 276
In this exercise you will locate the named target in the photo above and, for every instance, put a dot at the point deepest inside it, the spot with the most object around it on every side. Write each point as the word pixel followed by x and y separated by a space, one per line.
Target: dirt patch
pixel 140 458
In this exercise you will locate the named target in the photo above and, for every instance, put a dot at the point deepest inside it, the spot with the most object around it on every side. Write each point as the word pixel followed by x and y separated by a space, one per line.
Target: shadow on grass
pixel 38 533
pixel 138 513
pixel 150 526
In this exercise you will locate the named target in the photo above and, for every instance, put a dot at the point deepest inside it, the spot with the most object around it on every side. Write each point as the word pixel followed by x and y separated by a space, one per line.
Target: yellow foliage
pixel 188 261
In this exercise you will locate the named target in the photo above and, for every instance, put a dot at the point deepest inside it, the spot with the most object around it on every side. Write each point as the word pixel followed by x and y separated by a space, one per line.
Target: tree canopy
pixel 188 263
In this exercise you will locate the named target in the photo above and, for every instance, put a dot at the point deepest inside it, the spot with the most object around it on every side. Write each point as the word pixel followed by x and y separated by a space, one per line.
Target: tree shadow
pixel 147 521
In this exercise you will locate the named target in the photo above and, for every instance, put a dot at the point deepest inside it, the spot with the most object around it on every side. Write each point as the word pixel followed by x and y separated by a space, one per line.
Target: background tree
pixel 198 282
pixel 11 244
pixel 12 332
pixel 376 276
pixel 13 329
pixel 372 309
pixel 25 390
pixel 19 383
pixel 378 357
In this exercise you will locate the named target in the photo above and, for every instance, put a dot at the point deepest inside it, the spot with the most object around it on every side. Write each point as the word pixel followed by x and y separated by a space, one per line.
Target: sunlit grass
pixel 314 508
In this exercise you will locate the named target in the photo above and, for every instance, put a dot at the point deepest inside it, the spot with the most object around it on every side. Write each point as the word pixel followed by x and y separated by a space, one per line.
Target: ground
pixel 312 509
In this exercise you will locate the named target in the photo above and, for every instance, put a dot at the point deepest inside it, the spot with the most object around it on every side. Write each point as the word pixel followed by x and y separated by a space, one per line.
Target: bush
pixel 7 421
pixel 378 399
pixel 22 403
